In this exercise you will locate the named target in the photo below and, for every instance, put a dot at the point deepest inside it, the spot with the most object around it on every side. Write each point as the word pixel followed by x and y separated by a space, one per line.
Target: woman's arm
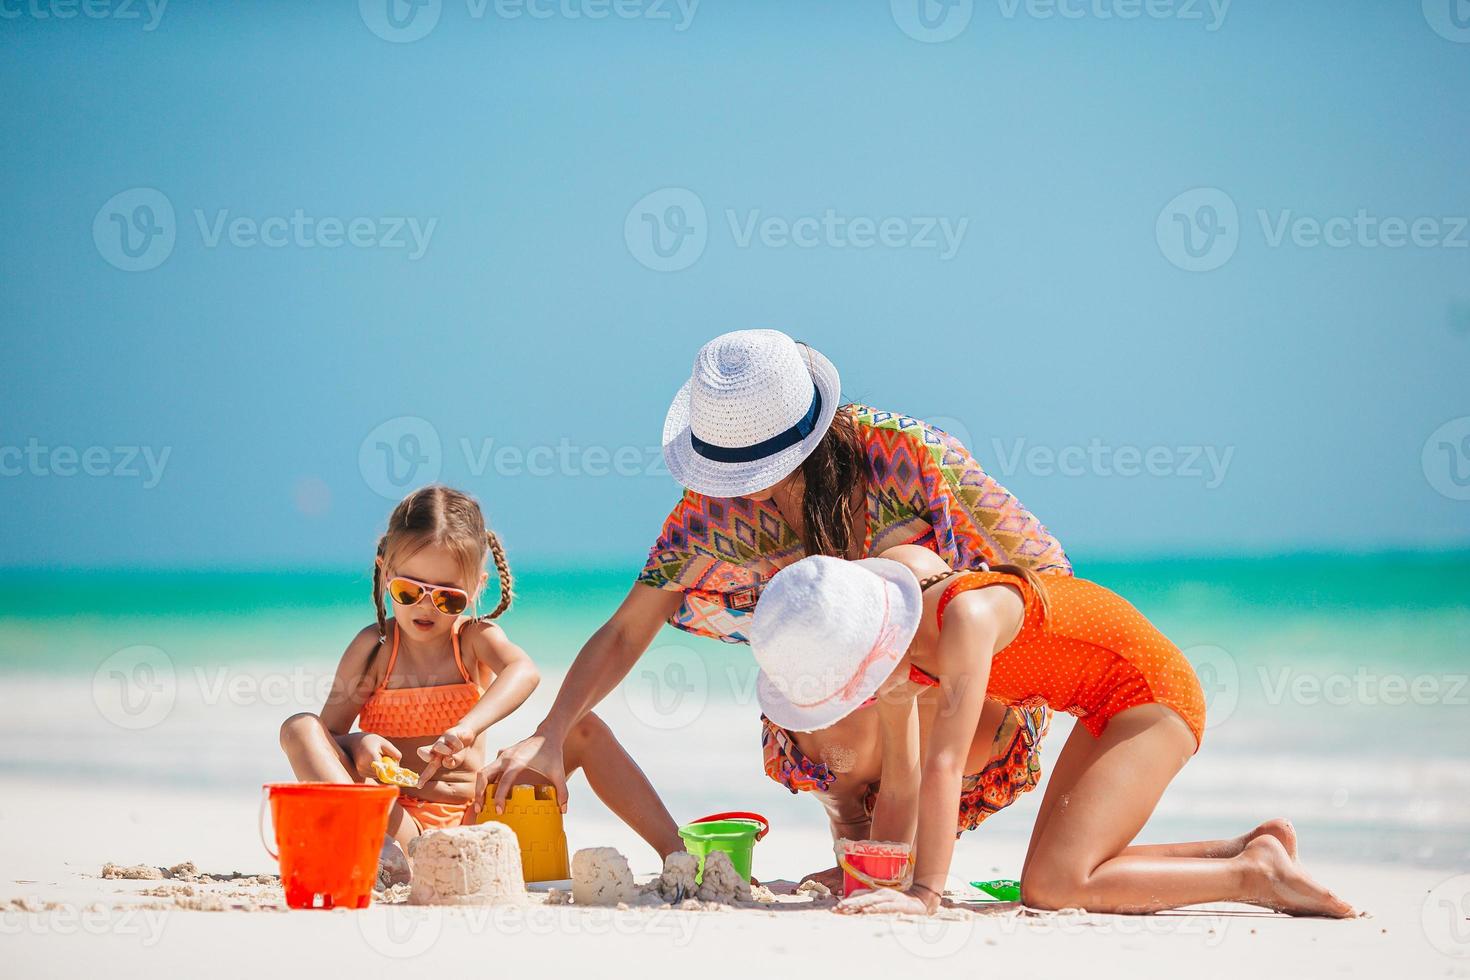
pixel 603 662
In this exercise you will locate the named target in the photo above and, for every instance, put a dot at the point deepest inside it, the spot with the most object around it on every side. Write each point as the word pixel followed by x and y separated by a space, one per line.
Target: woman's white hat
pixel 827 633
pixel 754 408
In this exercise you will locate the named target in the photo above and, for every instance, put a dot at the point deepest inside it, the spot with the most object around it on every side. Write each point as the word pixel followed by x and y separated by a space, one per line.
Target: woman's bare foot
pixel 1279 828
pixel 393 867
pixel 1285 887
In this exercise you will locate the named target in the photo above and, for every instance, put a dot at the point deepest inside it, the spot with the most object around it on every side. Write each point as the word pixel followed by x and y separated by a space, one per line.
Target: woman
pixel 776 468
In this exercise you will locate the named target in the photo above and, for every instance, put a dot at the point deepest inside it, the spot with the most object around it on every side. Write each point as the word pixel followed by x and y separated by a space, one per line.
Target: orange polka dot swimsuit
pixel 1092 654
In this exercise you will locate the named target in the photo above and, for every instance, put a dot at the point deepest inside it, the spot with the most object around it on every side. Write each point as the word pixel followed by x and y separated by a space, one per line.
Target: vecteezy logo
pixel 1446 459
pixel 1449 18
pixel 671 695
pixel 932 21
pixel 136 687
pixel 1199 230
pixel 400 21
pixel 400 932
pixel 1219 676
pixel 667 230
pixel 135 231
pixel 400 454
pixel 1446 916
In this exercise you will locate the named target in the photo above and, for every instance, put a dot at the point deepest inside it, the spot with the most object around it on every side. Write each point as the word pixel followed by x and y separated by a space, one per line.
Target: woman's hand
pixel 369 747
pixel 832 878
pixel 447 752
pixel 539 754
pixel 889 901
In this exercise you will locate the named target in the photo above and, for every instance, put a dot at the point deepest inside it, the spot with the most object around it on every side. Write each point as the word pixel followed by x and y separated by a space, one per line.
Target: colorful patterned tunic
pixel 924 488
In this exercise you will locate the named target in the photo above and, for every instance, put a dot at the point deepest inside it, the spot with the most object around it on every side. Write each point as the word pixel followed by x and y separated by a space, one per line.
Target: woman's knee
pixel 297 729
pixel 585 735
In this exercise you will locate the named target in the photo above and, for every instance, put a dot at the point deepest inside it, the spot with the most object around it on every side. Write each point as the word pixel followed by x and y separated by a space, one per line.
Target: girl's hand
pixel 446 753
pixel 885 900
pixel 368 748
pixel 832 878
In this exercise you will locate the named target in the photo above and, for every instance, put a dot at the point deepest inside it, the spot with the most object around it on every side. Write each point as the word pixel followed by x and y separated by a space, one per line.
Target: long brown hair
pixel 835 472
pixel 439 515
pixel 1038 585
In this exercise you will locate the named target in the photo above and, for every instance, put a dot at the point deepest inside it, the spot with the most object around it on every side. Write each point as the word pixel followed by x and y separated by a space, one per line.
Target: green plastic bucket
pixel 733 833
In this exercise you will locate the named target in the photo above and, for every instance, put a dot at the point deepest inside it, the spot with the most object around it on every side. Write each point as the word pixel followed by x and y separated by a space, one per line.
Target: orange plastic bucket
pixel 327 836
pixel 872 864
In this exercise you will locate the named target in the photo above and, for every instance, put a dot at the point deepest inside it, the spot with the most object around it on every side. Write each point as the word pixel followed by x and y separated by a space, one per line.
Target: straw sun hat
pixel 826 633
pixel 754 408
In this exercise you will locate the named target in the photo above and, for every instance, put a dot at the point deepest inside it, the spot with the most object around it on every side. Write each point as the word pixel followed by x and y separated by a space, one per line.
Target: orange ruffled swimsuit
pixel 1092 655
pixel 421 712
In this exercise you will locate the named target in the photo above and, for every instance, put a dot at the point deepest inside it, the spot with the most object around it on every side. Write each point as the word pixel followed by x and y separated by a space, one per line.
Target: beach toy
pixel 1002 889
pixel 872 864
pixel 327 839
pixel 533 813
pixel 390 773
pixel 734 833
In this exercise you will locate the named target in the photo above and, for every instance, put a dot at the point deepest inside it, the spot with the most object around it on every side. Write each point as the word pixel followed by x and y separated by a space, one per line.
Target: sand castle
pixel 479 865
pixel 600 876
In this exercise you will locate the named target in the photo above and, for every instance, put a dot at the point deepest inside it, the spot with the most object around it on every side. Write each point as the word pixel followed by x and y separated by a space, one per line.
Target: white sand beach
pixel 121 796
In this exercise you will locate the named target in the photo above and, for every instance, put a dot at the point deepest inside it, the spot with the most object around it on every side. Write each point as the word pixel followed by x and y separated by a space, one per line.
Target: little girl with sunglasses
pixel 428 684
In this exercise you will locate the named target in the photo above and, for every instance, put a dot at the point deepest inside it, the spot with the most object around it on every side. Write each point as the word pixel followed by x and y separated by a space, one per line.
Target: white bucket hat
pixel 827 633
pixel 754 408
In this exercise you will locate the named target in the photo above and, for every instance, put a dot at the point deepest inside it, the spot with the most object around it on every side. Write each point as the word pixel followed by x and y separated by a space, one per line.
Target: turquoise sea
pixel 1337 685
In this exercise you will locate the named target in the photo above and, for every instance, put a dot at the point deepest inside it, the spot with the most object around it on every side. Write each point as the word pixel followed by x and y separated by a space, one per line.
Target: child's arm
pixel 351 687
pixel 896 813
pixel 976 625
pixel 516 678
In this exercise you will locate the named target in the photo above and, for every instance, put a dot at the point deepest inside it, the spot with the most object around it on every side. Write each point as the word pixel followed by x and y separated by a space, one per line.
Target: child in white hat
pixel 833 636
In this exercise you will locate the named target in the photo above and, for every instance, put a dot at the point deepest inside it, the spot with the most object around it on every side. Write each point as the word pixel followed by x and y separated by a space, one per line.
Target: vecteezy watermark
pixel 669 689
pixel 1450 19
pixel 1200 229
pixel 136 687
pixel 1362 687
pixel 668 229
pixel 399 454
pixel 565 458
pixel 1219 678
pixel 1445 916
pixel 932 21
pixel 35 917
pixel 936 21
pixel 407 451
pixel 122 462
pixel 1210 13
pixel 404 932
pixel 1446 459
pixel 1208 464
pixel 404 21
pixel 90 9
pixel 136 230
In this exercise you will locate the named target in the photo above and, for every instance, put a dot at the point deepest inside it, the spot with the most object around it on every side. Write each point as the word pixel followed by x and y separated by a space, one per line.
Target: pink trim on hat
pixel 882 646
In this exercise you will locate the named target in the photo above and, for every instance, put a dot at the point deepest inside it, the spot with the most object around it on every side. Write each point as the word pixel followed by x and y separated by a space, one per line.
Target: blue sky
pixel 989 230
